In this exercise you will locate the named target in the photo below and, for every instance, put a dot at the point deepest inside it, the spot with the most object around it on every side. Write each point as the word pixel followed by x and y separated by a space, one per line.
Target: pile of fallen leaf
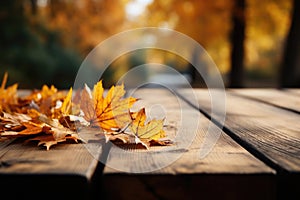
pixel 51 116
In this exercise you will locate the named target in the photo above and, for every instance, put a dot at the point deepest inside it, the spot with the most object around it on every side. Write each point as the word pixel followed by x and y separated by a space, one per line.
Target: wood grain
pixel 279 98
pixel 32 169
pixel 295 91
pixel 271 132
pixel 184 173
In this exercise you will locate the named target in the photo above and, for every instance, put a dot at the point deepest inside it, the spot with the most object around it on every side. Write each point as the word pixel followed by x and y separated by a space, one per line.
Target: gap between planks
pixel 283 99
pixel 227 161
pixel 246 117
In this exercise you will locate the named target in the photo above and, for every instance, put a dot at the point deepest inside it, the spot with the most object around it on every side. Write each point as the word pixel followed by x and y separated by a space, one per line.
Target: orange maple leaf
pixel 111 112
pixel 49 115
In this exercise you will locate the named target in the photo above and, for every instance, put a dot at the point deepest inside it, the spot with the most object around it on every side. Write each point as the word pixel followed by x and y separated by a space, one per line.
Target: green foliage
pixel 32 54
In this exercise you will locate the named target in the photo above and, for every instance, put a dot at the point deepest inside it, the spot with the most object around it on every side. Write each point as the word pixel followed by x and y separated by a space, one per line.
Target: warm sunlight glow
pixel 136 8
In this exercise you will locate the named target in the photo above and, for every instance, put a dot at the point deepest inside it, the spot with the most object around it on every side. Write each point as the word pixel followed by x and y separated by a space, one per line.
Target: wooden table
pixel 256 156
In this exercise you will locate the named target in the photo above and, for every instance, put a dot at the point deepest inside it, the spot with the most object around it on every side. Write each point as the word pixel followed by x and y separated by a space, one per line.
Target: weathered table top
pixel 255 154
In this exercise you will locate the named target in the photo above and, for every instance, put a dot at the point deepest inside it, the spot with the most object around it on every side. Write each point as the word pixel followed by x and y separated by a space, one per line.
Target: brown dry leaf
pixel 47 101
pixel 87 105
pixel 55 133
pixel 50 116
pixel 11 120
pixel 49 140
pixel 18 125
pixel 31 128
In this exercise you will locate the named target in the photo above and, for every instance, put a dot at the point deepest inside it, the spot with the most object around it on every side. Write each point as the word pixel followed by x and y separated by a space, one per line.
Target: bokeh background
pixel 254 43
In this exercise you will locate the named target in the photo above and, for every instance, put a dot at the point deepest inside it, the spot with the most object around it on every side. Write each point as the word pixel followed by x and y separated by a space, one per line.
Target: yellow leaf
pixel 8 96
pixel 4 81
pixel 47 92
pixel 67 103
pixel 98 96
pixel 152 130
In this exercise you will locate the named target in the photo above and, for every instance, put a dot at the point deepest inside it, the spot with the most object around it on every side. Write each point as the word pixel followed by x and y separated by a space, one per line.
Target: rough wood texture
pixel 266 167
pixel 34 171
pixel 293 91
pixel 279 98
pixel 187 174
pixel 270 131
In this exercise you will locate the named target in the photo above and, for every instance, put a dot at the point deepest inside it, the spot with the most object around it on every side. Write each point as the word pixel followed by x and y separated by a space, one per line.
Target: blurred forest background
pixel 254 43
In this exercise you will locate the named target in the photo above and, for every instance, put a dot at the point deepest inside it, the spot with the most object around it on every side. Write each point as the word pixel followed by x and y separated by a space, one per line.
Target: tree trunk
pixel 290 67
pixel 197 80
pixel 237 45
pixel 33 7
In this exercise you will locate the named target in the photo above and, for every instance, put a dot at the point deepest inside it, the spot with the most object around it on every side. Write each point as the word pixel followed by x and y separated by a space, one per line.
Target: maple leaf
pixel 152 130
pixel 48 101
pixel 110 112
pixel 55 133
pixel 87 105
pixel 17 125
pixel 49 115
pixel 41 128
pixel 13 120
pixel 141 132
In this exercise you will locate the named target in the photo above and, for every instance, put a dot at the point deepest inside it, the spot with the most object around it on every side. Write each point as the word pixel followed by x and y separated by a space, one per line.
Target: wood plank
pixel 225 172
pixel 295 91
pixel 67 169
pixel 262 127
pixel 279 98
pixel 270 133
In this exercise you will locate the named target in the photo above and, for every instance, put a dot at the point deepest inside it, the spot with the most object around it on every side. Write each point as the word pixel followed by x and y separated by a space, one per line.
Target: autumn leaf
pixel 18 125
pixel 148 133
pixel 67 104
pixel 8 96
pixel 47 131
pixel 87 105
pixel 111 112
pixel 48 140
pixel 141 132
pixel 151 130
pixel 55 133
pixel 50 116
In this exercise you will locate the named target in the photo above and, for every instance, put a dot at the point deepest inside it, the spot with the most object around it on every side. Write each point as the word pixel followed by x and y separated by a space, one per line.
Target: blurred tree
pixel 268 23
pixel 57 34
pixel 32 54
pixel 34 7
pixel 290 67
pixel 84 24
pixel 207 22
pixel 237 44
pixel 211 23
